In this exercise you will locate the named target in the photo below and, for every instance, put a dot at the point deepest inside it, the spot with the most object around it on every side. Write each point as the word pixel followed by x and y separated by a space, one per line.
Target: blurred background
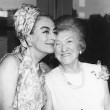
pixel 94 14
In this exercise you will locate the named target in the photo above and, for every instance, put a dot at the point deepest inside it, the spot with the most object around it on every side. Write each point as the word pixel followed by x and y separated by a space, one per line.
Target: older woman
pixel 75 85
pixel 21 75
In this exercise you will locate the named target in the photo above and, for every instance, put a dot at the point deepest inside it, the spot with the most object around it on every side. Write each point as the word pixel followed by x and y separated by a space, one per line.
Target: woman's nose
pixel 52 37
pixel 64 48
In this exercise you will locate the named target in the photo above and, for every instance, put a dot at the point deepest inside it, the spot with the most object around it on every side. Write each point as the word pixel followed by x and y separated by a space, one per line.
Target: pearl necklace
pixel 69 82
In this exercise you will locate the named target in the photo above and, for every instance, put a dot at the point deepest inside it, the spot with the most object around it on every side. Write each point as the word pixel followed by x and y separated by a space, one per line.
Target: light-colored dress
pixel 88 96
pixel 30 92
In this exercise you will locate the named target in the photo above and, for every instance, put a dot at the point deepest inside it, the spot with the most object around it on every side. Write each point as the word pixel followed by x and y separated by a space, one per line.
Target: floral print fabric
pixel 30 93
pixel 103 74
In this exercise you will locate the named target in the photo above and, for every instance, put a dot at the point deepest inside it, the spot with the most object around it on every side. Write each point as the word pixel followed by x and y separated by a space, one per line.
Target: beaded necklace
pixel 68 82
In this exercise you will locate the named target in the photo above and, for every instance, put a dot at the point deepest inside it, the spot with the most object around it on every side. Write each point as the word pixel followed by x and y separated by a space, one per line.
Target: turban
pixel 24 20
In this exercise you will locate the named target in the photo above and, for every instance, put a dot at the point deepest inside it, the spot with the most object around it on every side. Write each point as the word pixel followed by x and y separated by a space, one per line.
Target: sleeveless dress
pixel 87 97
pixel 30 93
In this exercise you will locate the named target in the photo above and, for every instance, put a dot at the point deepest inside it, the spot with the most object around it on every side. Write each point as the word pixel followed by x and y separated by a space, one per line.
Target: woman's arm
pixel 49 104
pixel 107 96
pixel 8 81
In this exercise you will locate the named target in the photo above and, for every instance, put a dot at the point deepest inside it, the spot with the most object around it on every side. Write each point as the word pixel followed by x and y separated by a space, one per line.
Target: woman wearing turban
pixel 21 74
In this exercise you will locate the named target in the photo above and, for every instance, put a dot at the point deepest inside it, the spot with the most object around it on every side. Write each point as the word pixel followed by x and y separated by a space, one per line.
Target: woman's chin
pixel 50 51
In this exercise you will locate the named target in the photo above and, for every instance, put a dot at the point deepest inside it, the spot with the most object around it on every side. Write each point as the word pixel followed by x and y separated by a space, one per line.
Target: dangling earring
pixel 29 42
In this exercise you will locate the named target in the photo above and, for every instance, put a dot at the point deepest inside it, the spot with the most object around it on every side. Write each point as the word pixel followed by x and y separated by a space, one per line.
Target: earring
pixel 29 41
pixel 80 52
pixel 30 44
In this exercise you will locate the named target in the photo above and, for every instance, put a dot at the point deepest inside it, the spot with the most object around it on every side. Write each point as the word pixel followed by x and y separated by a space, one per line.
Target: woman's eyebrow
pixel 44 27
pixel 69 38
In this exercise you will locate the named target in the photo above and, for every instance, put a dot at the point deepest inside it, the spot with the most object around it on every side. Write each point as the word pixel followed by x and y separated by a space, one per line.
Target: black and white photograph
pixel 54 54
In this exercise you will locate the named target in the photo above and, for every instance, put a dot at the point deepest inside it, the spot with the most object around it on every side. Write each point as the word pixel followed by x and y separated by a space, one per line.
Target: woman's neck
pixel 74 67
pixel 36 55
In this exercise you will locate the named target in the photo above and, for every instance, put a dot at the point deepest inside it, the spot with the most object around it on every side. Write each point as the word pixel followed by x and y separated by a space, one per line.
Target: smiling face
pixel 43 36
pixel 66 47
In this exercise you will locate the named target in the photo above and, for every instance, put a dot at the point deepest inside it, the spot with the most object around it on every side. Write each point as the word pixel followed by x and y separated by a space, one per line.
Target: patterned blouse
pixel 30 93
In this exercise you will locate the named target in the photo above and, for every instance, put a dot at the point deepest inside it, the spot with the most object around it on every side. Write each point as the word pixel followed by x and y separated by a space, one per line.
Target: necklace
pixel 79 76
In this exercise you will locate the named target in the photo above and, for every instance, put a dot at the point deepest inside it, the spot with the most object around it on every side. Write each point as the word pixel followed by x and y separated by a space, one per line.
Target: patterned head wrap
pixel 24 20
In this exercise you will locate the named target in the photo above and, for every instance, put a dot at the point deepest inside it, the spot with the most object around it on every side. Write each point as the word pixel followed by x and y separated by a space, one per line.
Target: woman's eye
pixel 56 44
pixel 69 41
pixel 46 32
pixel 55 32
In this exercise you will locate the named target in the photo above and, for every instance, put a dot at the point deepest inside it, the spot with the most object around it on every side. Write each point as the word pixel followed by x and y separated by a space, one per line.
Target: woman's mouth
pixel 66 54
pixel 52 44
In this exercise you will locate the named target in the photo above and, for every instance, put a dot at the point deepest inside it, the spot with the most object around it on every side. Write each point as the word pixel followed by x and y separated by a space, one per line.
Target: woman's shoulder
pixel 9 58
pixel 98 70
pixel 9 62
pixel 52 77
pixel 89 65
pixel 92 67
pixel 53 73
